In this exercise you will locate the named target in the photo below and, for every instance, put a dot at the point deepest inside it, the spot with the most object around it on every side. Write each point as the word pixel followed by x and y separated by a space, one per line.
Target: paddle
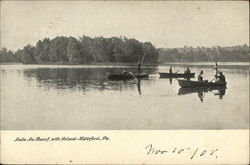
pixel 177 71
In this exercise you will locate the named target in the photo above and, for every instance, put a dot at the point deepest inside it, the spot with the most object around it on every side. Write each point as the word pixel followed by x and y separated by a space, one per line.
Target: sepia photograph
pixel 124 65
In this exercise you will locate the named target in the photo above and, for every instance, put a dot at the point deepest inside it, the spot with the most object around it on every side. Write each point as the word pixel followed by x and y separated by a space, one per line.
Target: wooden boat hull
pixel 118 76
pixel 190 84
pixel 176 75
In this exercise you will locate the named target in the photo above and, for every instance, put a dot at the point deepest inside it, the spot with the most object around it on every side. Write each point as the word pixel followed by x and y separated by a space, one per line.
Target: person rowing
pixel 220 77
pixel 125 71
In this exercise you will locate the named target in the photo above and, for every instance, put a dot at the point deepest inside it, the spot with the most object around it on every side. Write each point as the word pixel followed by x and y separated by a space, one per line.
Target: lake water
pixel 64 97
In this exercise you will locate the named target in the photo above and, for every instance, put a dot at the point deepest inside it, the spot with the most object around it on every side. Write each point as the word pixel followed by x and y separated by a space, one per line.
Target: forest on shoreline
pixel 85 50
pixel 100 50
pixel 239 53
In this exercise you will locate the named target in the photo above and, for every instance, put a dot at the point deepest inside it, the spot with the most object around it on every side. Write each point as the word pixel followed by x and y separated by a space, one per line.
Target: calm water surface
pixel 46 97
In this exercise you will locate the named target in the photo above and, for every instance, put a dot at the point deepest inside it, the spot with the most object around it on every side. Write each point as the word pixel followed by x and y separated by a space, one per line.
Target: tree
pixel 73 51
pixel 42 50
pixel 28 55
pixel 58 50
pixel 152 54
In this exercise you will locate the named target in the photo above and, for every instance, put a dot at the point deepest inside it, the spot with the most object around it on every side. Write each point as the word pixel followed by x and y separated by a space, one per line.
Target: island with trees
pixel 85 50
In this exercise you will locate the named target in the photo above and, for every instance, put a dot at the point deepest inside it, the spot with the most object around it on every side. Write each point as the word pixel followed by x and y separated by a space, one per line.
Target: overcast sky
pixel 165 24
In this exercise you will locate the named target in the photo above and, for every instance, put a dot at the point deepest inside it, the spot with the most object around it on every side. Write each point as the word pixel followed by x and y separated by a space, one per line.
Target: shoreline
pixel 231 65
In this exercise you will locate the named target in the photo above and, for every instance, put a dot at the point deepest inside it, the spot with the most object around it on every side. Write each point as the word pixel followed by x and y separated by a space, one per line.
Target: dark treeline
pixel 203 54
pixel 85 50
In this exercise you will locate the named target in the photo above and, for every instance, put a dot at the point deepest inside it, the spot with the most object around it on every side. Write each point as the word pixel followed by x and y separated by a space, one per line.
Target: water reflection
pixel 217 91
pixel 139 86
pixel 82 98
pixel 220 93
pixel 170 81
pixel 176 79
pixel 82 78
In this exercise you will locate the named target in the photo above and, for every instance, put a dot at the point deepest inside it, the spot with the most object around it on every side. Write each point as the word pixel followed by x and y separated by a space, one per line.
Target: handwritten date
pixel 194 152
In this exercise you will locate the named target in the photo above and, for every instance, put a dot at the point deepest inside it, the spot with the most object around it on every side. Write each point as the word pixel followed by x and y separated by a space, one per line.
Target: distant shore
pixel 235 65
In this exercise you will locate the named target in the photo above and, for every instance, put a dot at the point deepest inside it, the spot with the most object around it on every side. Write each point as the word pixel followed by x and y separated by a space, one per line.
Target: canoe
pixel 176 75
pixel 190 84
pixel 119 76
pixel 184 91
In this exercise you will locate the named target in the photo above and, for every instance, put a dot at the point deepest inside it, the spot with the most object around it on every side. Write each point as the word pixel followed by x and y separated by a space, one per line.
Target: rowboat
pixel 190 84
pixel 176 75
pixel 119 76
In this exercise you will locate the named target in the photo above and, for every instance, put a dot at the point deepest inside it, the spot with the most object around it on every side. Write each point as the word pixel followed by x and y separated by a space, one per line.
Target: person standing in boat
pixel 216 70
pixel 170 70
pixel 200 76
pixel 139 67
pixel 187 71
pixel 221 78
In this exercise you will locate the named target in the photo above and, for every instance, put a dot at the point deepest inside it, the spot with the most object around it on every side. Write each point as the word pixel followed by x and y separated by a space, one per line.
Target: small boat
pixel 190 84
pixel 120 76
pixel 176 75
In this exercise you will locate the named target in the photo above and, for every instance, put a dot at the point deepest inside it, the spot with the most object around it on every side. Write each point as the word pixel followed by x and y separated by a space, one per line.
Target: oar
pixel 212 80
pixel 133 75
pixel 177 71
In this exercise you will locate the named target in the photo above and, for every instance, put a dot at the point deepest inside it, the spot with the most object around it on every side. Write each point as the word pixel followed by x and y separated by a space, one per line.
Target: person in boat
pixel 200 76
pixel 216 68
pixel 170 70
pixel 187 71
pixel 220 77
pixel 125 71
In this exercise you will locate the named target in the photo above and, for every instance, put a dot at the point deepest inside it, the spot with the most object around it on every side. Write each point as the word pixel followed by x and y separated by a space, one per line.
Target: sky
pixel 165 24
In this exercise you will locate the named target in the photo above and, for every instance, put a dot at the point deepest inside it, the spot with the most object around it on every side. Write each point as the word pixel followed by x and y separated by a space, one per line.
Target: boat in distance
pixel 120 76
pixel 176 75
pixel 191 84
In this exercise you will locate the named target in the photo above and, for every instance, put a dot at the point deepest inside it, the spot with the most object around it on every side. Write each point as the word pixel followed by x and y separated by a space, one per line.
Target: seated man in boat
pixel 125 71
pixel 200 76
pixel 187 71
pixel 170 70
pixel 221 77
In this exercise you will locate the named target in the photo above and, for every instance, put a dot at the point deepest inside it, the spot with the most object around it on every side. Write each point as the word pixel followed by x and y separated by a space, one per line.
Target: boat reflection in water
pixel 217 91
pixel 85 79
